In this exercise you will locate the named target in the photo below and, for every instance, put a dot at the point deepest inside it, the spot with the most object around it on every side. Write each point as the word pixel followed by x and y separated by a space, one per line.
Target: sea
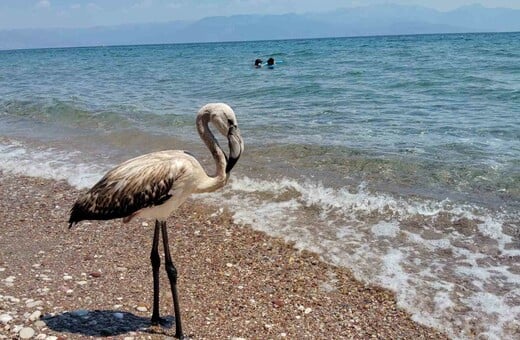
pixel 397 157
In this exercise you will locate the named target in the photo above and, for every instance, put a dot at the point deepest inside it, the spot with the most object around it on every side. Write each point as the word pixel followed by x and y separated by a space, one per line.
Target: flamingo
pixel 155 184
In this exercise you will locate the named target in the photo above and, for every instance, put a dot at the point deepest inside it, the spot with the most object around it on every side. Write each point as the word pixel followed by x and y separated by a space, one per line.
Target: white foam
pixel 443 301
pixel 430 244
pixel 392 275
pixel 500 312
pixel 492 228
pixel 385 229
pixel 480 274
pixel 280 214
pixel 50 163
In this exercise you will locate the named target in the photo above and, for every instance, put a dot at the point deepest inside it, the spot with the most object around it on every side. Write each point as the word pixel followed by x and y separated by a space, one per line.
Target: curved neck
pixel 220 178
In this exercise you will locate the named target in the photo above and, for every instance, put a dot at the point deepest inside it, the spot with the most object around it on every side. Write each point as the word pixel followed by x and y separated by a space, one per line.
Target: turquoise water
pixel 393 156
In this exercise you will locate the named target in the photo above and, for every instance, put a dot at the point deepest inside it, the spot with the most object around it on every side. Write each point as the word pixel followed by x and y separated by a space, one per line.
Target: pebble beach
pixel 94 280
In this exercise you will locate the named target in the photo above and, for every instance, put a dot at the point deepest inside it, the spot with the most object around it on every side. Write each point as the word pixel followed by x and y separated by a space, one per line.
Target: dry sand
pixel 234 283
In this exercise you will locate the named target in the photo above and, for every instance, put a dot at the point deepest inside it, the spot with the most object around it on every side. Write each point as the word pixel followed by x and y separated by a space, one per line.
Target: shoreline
pixel 234 282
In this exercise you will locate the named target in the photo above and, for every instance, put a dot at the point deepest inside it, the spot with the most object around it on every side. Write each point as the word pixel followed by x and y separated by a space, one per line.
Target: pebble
pixel 41 336
pixel 9 279
pixel 307 310
pixel 26 333
pixel 142 309
pixel 31 304
pixel 79 312
pixel 5 318
pixel 12 299
pixel 119 315
pixel 35 315
pixel 52 337
pixel 16 328
pixel 45 278
pixel 81 283
pixel 144 224
pixel 67 277
pixel 40 324
pixel 278 302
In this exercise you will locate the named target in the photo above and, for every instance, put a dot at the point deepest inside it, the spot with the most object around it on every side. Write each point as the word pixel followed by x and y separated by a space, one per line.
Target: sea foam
pixel 46 162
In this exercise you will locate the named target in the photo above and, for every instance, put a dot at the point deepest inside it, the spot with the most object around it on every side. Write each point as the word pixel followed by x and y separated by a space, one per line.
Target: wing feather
pixel 136 184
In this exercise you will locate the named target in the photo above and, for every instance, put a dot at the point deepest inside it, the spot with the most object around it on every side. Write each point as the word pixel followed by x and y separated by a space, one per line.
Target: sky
pixel 87 13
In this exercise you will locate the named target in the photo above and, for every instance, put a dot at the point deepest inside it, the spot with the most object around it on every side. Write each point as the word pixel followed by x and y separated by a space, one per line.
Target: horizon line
pixel 257 40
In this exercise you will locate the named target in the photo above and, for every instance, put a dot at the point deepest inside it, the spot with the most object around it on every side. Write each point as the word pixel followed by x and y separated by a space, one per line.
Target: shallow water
pixel 398 157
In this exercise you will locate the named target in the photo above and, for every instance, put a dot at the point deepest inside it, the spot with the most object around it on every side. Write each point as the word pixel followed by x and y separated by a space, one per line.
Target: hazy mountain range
pixel 370 20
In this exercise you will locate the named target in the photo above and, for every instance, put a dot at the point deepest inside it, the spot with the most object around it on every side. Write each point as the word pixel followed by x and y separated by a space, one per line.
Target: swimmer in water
pixel 258 63
pixel 270 63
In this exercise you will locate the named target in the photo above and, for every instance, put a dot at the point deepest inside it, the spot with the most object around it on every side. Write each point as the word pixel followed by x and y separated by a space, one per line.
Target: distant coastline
pixel 374 20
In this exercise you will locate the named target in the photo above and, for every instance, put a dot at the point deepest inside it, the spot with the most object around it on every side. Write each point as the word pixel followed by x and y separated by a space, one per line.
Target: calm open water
pixel 397 157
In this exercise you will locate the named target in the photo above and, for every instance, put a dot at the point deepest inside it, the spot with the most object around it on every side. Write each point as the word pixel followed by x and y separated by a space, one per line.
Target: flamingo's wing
pixel 136 184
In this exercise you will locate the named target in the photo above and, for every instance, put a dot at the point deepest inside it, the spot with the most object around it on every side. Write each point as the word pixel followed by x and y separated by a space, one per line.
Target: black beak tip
pixel 230 164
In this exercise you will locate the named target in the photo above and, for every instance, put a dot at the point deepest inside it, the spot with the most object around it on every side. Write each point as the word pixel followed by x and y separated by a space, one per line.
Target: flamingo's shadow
pixel 100 322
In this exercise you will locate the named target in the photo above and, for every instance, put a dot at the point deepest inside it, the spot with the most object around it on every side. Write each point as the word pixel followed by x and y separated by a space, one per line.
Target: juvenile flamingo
pixel 155 184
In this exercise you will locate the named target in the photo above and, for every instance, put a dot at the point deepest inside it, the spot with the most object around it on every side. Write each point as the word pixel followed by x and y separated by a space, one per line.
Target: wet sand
pixel 95 279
